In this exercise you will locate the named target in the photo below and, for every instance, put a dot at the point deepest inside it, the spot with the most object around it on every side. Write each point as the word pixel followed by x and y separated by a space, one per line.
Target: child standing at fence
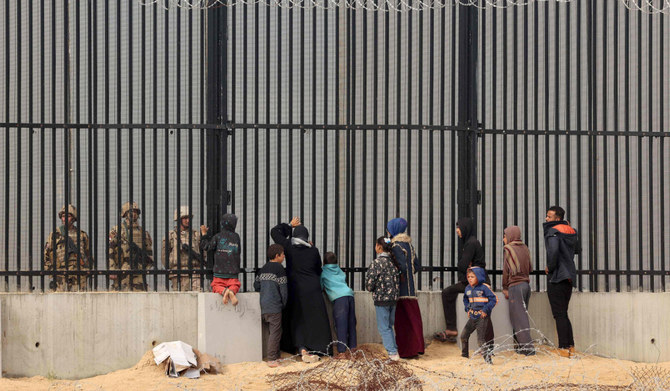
pixel 516 277
pixel 479 301
pixel 382 280
pixel 271 282
pixel 334 283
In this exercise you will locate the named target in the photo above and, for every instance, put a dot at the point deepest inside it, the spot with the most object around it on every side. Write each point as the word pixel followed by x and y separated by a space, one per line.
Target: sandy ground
pixel 440 368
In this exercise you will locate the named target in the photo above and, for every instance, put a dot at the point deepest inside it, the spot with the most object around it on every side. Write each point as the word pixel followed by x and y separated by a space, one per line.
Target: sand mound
pixel 441 368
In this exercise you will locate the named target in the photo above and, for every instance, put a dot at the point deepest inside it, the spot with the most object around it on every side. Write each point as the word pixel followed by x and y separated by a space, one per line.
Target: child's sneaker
pixel 273 364
pixel 487 358
pixel 394 357
pixel 465 355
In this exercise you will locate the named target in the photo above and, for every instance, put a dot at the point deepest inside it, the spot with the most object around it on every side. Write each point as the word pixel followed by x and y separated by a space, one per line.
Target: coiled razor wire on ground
pixel 645 6
pixel 368 368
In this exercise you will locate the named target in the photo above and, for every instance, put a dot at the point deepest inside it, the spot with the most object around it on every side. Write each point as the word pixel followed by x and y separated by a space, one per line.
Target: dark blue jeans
pixel 344 316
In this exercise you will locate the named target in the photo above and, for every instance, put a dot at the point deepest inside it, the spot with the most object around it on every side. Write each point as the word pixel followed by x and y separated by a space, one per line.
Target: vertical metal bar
pixel 398 111
pixel 280 37
pixel 53 132
pixel 494 119
pixel 605 199
pixel 178 157
pixel 536 138
pixel 628 125
pixel 568 157
pixel 375 140
pixel 650 158
pixel 93 134
pixel 420 149
pixel 515 118
pixel 18 146
pixel 302 111
pixel 337 132
pixel 505 119
pixel 30 148
pixel 202 23
pixel 639 152
pixel 662 149
pixel 155 155
pixel 267 117
pixel 256 143
pixel 290 105
pixel 482 104
pixel 593 126
pixel 7 138
pixel 189 109
pixel 431 155
pixel 617 257
pixel 454 149
pixel 410 53
pixel 351 146
pixel 166 151
pixel 245 134
pixel 387 98
pixel 119 140
pixel 143 98
pixel 580 259
pixel 325 131
pixel 106 108
pixel 131 153
pixel 42 137
pixel 526 89
pixel 314 84
pixel 443 77
pixel 364 120
pixel 77 120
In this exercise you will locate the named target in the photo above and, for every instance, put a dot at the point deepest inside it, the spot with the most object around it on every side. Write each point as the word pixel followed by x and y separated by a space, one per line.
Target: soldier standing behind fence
pixel 183 251
pixel 67 248
pixel 130 249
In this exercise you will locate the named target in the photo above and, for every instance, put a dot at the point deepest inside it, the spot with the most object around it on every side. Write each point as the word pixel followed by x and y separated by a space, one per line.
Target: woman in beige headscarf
pixel 516 278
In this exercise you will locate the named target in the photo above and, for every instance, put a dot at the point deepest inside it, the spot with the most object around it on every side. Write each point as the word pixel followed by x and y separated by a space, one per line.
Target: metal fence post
pixel 467 113
pixel 216 113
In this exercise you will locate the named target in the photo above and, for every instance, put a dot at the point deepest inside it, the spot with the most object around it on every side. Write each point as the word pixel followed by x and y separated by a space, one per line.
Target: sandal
pixel 441 336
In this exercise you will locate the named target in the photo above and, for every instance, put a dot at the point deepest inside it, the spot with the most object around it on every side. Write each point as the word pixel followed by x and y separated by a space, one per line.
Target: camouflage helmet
pixel 182 211
pixel 128 206
pixel 70 210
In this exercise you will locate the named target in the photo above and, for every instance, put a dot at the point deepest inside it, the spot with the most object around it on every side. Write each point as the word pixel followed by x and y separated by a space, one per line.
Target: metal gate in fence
pixel 346 118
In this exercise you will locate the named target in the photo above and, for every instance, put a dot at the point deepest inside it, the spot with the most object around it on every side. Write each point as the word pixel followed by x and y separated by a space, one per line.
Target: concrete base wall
pixel 75 335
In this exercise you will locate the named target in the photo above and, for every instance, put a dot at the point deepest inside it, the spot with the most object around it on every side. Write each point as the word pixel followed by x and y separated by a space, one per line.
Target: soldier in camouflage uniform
pixel 182 247
pixel 130 248
pixel 68 239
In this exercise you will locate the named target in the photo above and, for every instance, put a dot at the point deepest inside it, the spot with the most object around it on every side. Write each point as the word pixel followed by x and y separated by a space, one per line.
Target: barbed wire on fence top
pixel 369 5
pixel 645 6
pixel 368 368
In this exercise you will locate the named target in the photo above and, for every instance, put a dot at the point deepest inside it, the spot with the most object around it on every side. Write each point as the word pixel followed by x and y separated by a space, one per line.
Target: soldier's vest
pixel 176 241
pixel 133 235
pixel 60 244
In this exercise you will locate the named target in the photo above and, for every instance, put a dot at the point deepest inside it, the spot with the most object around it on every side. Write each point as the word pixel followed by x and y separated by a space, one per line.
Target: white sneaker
pixel 394 357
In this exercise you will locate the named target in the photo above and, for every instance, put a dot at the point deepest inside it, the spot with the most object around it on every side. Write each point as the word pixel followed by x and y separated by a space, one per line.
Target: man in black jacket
pixel 471 254
pixel 562 243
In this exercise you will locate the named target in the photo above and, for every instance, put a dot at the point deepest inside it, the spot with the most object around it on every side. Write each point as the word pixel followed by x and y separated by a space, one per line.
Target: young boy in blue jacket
pixel 334 283
pixel 479 301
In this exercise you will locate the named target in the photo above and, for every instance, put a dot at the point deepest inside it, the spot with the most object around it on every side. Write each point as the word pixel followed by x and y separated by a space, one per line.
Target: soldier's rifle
pixel 193 253
pixel 139 256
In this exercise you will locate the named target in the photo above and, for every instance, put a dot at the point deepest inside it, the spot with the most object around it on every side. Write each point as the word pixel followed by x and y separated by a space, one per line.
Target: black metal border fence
pixel 346 118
